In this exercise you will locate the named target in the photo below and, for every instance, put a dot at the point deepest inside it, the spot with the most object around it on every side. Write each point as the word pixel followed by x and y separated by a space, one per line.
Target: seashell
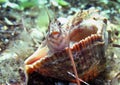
pixel 88 50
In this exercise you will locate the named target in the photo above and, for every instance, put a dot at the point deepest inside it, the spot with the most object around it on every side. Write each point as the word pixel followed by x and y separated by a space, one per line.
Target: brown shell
pixel 88 54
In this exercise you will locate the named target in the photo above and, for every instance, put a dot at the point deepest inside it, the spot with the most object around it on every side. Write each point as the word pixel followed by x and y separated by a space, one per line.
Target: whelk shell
pixel 88 53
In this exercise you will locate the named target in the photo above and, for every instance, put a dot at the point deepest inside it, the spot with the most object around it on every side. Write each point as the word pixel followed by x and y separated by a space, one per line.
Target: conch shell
pixel 87 37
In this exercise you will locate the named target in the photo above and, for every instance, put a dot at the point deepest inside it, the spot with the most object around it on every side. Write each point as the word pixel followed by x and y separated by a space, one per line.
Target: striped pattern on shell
pixel 88 54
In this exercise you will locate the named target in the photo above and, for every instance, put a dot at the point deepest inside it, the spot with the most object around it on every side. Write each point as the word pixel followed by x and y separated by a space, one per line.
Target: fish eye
pixel 59 23
pixel 105 21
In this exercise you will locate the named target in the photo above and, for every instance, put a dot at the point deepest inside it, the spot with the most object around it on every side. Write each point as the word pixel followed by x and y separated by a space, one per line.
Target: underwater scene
pixel 59 42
